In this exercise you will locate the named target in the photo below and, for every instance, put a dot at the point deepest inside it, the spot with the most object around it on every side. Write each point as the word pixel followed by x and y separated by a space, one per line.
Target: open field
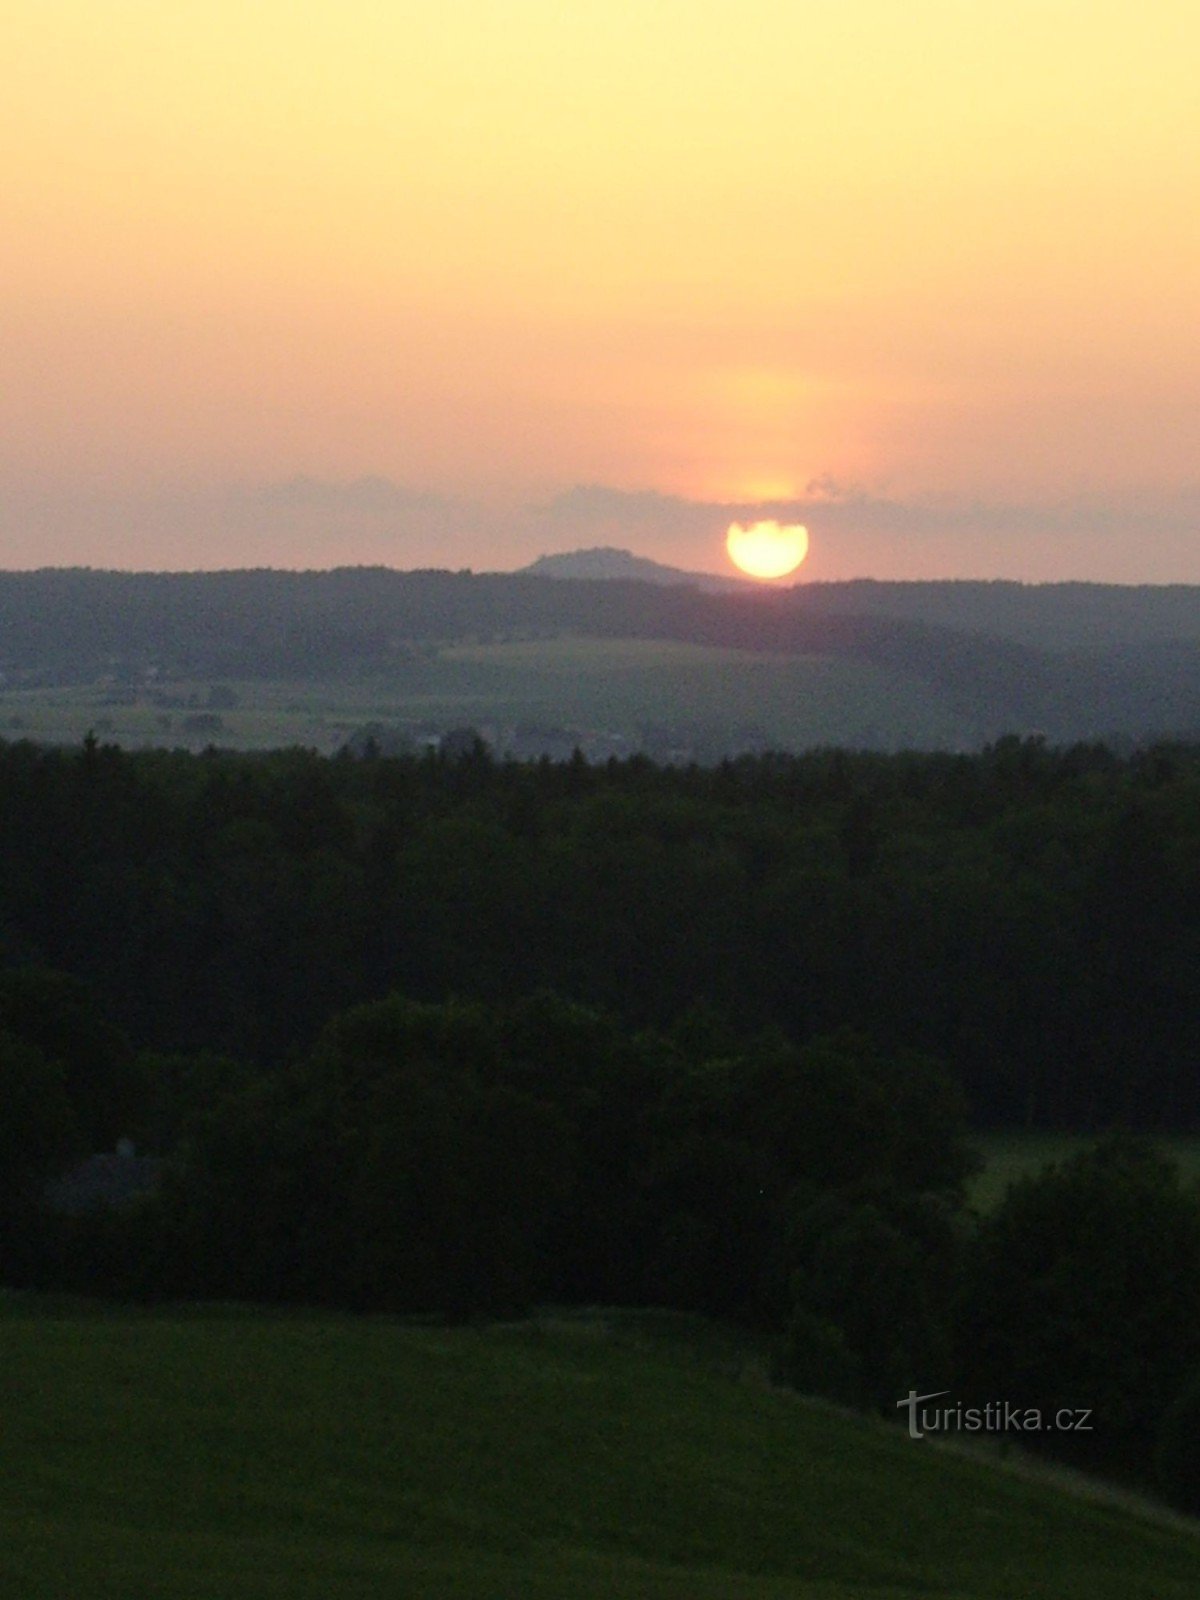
pixel 620 686
pixel 225 1452
pixel 1009 1156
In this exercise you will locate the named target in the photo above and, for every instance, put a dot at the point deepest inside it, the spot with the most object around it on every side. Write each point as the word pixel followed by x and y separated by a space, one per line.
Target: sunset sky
pixel 302 284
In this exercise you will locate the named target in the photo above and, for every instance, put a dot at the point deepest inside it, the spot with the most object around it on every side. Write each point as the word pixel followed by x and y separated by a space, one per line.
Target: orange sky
pixel 937 254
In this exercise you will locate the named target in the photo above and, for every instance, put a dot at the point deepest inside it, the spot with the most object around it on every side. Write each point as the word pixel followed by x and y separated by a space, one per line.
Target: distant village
pixel 525 741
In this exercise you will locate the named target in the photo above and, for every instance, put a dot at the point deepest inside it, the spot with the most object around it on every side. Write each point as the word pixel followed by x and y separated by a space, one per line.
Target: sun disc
pixel 767 549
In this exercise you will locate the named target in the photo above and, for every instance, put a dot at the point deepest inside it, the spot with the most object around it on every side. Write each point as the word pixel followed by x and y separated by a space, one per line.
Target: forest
pixel 452 1036
pixel 1026 915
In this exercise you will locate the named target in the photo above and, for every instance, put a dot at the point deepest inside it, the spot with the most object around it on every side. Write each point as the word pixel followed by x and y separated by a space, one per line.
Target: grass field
pixel 238 1455
pixel 1009 1156
pixel 617 686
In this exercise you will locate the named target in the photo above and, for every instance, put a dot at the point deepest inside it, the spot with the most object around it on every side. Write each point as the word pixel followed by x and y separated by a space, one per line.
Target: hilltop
pixel 608 563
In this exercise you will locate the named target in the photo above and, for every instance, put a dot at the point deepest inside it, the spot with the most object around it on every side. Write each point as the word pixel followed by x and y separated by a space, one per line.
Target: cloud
pixel 843 506
pixel 596 507
pixel 591 509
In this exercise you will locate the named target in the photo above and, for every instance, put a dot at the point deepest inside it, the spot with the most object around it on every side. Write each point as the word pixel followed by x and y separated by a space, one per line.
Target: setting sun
pixel 767 549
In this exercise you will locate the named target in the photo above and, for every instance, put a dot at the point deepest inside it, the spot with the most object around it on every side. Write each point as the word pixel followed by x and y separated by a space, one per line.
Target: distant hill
pixel 1050 616
pixel 607 562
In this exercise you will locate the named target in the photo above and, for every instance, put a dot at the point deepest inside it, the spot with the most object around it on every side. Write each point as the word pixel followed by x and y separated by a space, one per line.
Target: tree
pixel 1176 1457
pixel 38 1135
pixel 60 1017
pixel 744 1143
pixel 393 1168
pixel 874 1273
pixel 1083 1291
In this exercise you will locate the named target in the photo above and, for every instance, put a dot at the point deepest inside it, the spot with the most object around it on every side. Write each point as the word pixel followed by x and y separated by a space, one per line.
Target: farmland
pixel 629 692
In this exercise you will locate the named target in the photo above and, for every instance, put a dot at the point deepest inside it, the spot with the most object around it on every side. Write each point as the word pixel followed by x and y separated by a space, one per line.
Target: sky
pixel 290 283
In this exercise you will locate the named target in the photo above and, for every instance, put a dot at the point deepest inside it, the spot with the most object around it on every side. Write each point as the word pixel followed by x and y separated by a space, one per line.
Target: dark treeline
pixel 1029 916
pixel 255 622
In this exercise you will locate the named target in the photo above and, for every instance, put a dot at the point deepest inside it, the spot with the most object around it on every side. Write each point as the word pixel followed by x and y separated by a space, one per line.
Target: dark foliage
pixel 1177 1456
pixel 444 1035
pixel 1084 1290
pixel 1030 916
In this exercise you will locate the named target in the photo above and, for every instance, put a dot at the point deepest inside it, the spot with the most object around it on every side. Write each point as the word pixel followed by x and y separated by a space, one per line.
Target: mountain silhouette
pixel 608 562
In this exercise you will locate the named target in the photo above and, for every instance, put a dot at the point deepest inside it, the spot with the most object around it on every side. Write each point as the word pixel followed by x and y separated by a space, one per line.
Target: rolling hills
pixel 1067 661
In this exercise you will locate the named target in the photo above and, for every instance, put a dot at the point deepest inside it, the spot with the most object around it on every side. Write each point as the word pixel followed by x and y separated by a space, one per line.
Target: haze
pixel 303 284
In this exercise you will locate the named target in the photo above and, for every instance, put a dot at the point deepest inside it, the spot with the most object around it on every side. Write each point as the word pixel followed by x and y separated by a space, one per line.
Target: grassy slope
pixel 796 700
pixel 240 1455
pixel 616 685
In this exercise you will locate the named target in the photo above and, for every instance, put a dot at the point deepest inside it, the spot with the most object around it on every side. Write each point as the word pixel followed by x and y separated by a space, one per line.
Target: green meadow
pixel 1008 1157
pixel 247 1455
pixel 606 686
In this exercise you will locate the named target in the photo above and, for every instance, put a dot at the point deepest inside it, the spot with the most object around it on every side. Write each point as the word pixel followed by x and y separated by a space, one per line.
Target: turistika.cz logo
pixel 997 1416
